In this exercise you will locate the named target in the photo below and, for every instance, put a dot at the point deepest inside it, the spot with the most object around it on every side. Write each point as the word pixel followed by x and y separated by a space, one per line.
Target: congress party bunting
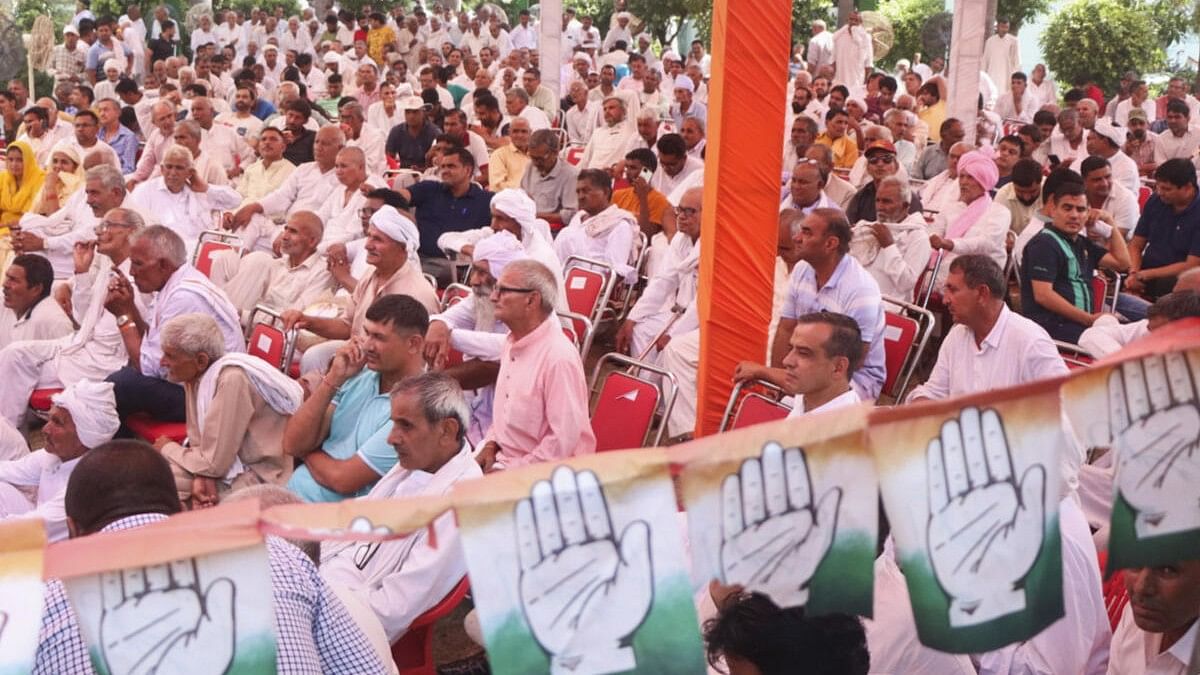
pixel 788 509
pixel 1143 406
pixel 21 546
pixel 579 568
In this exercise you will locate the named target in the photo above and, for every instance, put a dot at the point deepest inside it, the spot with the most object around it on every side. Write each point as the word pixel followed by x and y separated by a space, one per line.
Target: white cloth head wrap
pixel 516 204
pixel 111 63
pixel 684 82
pixel 93 409
pixel 498 250
pixel 395 225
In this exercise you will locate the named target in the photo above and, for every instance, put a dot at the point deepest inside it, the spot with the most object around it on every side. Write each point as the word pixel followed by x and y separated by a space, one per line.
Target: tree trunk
pixel 991 19
pixel 844 9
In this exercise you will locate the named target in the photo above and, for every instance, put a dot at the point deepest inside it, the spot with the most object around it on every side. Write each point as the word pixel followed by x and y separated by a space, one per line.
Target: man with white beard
pixel 894 248
pixel 470 327
pixel 941 191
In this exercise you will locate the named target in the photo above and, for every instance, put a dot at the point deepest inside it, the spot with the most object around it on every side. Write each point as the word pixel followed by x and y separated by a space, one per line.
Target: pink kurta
pixel 540 412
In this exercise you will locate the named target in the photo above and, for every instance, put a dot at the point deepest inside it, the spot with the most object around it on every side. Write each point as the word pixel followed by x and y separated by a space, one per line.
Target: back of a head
pixel 165 243
pixel 1057 177
pixel 750 628
pixel 119 479
pixel 1175 306
pixel 537 276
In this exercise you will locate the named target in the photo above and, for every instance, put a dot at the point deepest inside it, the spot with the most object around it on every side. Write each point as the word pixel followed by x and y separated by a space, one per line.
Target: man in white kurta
pixel 894 248
pixel 96 349
pixel 183 202
pixel 402 578
pixel 853 53
pixel 609 144
pixel 83 416
pixel 1001 55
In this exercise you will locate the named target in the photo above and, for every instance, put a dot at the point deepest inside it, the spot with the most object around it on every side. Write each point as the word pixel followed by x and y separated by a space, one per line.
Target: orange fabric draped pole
pixel 747 93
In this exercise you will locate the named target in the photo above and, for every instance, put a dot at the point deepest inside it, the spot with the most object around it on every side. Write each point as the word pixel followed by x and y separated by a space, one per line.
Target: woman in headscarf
pixel 20 183
pixel 975 223
pixel 63 179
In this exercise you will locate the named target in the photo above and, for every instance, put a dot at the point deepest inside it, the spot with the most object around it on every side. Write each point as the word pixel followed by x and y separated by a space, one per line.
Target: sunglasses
pixel 882 159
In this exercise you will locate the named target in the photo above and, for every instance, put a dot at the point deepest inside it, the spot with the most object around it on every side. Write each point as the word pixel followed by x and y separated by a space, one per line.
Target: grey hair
pixel 893 113
pixel 129 217
pixel 353 107
pixel 356 153
pixel 647 114
pixel 109 176
pixel 163 104
pixel 191 127
pixel 193 334
pixel 544 138
pixel 165 243
pixel 901 184
pixel 517 92
pixel 793 218
pixel 338 135
pixel 618 99
pixel 880 132
pixel 441 398
pixel 699 122
pixel 179 151
pixel 269 495
pixel 535 275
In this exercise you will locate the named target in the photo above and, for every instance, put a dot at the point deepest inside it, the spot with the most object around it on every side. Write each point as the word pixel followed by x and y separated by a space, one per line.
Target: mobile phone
pixel 646 175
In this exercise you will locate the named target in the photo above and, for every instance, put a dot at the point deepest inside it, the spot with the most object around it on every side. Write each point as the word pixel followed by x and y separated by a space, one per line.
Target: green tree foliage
pixel 1173 19
pixel 28 10
pixel 804 12
pixel 1101 39
pixel 908 17
pixel 1020 12
pixel 290 7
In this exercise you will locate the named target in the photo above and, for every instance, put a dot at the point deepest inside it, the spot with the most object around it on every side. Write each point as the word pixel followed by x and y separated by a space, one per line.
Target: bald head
pixel 1188 281
pixel 308 223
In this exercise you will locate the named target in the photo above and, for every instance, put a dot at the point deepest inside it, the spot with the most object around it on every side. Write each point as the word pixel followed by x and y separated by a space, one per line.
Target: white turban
pixel 684 82
pixel 93 409
pixel 498 250
pixel 111 63
pixel 395 225
pixel 516 204
pixel 1108 130
pixel 671 55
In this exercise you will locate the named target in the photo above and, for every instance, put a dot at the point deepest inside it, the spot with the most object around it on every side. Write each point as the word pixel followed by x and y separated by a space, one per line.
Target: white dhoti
pixel 682 359
pixel 244 279
pixel 43 364
pixel 12 443
pixel 260 234
pixel 657 255
pixel 645 332
pixel 316 359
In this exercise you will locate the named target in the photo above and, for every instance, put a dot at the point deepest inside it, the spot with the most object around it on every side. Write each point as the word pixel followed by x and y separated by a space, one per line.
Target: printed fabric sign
pixel 1144 404
pixel 971 490
pixel 208 612
pixel 788 509
pixel 20 593
pixel 579 568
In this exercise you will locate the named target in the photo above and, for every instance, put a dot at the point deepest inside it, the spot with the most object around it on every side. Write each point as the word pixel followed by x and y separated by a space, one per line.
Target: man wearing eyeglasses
pixel 540 412
pixel 96 349
pixel 881 163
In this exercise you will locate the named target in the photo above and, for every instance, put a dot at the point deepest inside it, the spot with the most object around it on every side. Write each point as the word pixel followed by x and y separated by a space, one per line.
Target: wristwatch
pixel 124 320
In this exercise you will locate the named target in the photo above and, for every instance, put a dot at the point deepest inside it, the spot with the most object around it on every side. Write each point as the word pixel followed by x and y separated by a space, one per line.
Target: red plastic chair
pixel 747 407
pixel 151 430
pixel 211 243
pixel 623 415
pixel 905 336
pixel 267 339
pixel 413 652
pixel 575 154
pixel 1144 193
pixel 1116 595
pixel 578 329
pixel 1073 355
pixel 588 286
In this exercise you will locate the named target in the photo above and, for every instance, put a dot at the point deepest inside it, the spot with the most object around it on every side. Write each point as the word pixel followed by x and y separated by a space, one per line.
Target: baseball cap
pixel 1138 114
pixel 879 146
pixel 412 103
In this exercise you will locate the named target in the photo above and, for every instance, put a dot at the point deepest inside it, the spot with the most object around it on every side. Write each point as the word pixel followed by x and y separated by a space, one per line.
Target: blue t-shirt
pixel 263 109
pixel 439 212
pixel 360 425
pixel 1170 237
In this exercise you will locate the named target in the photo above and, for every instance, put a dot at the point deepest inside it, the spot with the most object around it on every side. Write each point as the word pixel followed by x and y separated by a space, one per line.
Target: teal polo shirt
pixel 362 420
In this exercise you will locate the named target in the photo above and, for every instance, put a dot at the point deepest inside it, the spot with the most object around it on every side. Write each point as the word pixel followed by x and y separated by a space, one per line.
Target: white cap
pixel 411 103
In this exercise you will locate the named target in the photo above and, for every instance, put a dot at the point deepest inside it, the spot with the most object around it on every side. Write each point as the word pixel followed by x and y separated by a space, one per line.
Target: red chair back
pixel 624 411
pixel 575 154
pixel 584 288
pixel 268 343
pixel 413 652
pixel 1116 595
pixel 756 409
pixel 899 336
pixel 1099 292
pixel 204 257
pixel 1144 193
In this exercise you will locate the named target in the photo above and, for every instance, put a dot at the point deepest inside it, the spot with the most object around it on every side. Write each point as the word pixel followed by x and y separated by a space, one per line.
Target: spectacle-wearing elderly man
pixel 340 430
pixel 391 240
pixel 83 416
pixel 550 181
pixel 975 223
pixel 124 485
pixel 540 411
pixel 894 246
pixel 158 263
pixel 402 578
pixel 96 349
pixel 181 199
pixel 237 408
pixel 667 307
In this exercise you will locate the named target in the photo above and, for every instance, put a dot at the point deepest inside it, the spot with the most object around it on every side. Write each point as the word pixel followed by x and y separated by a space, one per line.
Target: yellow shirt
pixel 505 167
pixel 377 39
pixel 934 115
pixel 845 150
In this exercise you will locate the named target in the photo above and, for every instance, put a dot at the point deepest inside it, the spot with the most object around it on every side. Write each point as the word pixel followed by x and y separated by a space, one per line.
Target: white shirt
pixel 524 37
pixel 72 222
pixel 614 246
pixel 49 475
pixel 1046 92
pixel 1149 106
pixel 1136 652
pixel 674 285
pixel 820 50
pixel 666 184
pixel 304 190
pixel 402 578
pixel 609 145
pixel 1124 170
pixel 940 192
pixel 849 398
pixel 224 144
pixel 1016 351
pixel 340 215
pixel 580 123
pixel 46 321
pixel 1001 58
pixel 245 127
pixel 187 291
pixel 1169 146
pixel 896 267
pixel 372 141
pixel 186 212
pixel 853 53
pixel 985 236
pixel 378 118
pixel 1006 106
pixel 1108 335
pixel 537 119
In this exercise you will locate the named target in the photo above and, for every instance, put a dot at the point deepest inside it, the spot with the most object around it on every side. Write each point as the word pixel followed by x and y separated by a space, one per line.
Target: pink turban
pixel 979 165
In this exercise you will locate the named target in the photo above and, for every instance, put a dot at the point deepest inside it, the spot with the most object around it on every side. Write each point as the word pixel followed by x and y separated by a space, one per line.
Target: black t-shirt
pixel 300 150
pixel 1068 264
pixel 161 49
